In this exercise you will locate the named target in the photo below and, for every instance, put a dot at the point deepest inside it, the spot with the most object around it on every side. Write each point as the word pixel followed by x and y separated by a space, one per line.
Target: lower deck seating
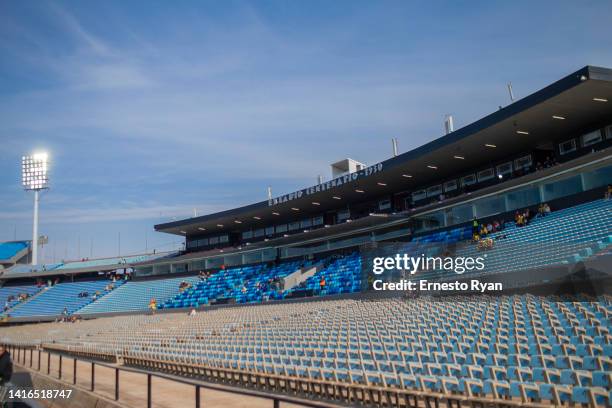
pixel 136 295
pixel 13 291
pixel 513 349
pixel 51 301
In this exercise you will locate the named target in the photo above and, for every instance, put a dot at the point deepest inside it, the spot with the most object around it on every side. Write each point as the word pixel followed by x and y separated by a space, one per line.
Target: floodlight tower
pixel 34 176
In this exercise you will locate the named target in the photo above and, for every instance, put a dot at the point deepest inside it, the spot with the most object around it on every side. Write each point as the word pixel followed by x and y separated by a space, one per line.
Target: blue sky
pixel 151 109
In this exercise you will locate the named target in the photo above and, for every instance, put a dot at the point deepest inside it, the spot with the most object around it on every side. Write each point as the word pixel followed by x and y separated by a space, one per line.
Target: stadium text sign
pixel 337 182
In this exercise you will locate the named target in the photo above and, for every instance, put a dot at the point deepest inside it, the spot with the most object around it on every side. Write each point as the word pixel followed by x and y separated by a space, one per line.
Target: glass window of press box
pixel 518 198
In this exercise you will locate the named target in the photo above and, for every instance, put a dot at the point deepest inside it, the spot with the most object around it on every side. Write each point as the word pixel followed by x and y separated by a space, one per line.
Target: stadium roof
pixel 583 98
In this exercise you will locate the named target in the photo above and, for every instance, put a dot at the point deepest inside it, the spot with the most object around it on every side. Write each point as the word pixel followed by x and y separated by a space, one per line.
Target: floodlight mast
pixel 34 171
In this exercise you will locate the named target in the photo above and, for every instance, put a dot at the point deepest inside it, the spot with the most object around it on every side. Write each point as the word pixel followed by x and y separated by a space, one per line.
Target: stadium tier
pixel 136 295
pixel 562 237
pixel 579 232
pixel 51 301
pixel 341 275
pixel 13 293
pixel 511 349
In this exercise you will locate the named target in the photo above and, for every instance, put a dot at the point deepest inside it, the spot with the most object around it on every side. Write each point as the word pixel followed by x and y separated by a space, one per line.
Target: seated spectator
pixel 193 311
pixel 608 193
pixel 486 243
pixel 496 226
pixel 153 305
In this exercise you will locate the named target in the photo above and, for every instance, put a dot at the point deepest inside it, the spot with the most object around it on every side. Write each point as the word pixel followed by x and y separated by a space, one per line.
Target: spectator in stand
pixel 322 283
pixel 193 311
pixel 153 305
pixel 496 226
pixel 526 216
pixel 608 194
pixel 519 219
pixel 65 312
pixel 475 225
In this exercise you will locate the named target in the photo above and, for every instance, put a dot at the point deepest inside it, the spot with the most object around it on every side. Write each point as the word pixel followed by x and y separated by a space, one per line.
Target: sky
pixel 154 110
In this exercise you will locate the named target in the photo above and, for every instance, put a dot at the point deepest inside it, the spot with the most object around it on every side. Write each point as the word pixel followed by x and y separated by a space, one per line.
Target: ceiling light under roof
pixel 183 232
pixel 432 167
pixel 336 198
pixel 359 191
pixel 558 117
pixel 275 213
pixel 600 99
pixel 295 209
pixel 202 229
pixel 238 221
pixel 256 218
pixel 459 157
pixel 490 145
pixel 315 203
pixel 407 175
pixel 220 225
pixel 380 183
pixel 522 132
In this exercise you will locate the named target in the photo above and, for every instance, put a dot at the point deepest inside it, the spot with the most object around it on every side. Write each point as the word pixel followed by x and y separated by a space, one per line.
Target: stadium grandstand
pixel 276 299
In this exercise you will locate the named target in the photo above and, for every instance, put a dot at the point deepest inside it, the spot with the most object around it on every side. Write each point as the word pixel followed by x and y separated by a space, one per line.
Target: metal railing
pixel 20 353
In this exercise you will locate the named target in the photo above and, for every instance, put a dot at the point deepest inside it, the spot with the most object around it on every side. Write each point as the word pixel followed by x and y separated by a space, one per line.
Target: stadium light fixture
pixel 459 157
pixel 202 229
pixel 492 146
pixel 315 203
pixel 558 117
pixel 238 221
pixel 522 132
pixel 600 99
pixel 220 225
pixel 35 177
pixel 336 198
pixel 275 213
pixel 256 218
pixel 432 167
pixel 359 191
pixel 183 232
pixel 407 175
pixel 295 209
pixel 380 183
